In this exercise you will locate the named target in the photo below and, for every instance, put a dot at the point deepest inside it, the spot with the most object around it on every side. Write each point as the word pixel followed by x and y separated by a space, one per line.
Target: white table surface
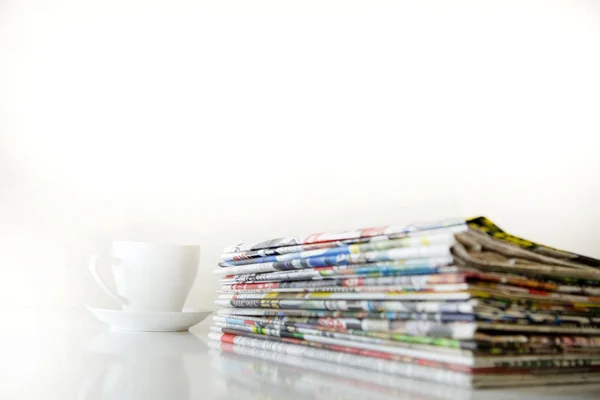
pixel 70 355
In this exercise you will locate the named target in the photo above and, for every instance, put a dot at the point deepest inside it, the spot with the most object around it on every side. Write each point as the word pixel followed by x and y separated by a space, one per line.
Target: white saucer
pixel 160 321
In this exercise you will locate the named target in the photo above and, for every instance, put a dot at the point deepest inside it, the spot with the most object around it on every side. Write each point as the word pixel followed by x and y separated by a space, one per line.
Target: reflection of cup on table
pixel 148 365
pixel 149 276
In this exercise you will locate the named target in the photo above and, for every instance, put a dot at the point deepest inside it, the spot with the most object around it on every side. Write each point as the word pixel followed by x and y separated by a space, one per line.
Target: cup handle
pixel 93 265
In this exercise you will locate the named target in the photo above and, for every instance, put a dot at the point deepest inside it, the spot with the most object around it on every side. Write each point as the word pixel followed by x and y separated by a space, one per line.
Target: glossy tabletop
pixel 70 355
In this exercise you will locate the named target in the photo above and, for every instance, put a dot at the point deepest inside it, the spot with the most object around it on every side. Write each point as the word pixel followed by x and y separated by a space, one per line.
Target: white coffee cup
pixel 149 276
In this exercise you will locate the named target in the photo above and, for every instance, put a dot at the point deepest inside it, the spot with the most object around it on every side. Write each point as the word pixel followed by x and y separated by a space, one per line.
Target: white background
pixel 217 121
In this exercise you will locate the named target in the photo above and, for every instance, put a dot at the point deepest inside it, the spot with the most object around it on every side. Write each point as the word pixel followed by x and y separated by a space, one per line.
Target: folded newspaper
pixel 458 302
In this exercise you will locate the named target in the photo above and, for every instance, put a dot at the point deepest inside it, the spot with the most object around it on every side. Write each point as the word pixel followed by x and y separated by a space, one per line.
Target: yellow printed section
pixel 587 305
pixel 269 303
pixel 320 294
pixel 478 293
pixel 485 225
pixel 354 248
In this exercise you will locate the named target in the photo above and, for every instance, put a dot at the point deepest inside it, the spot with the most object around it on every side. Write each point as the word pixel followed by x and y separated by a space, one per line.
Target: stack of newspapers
pixel 458 302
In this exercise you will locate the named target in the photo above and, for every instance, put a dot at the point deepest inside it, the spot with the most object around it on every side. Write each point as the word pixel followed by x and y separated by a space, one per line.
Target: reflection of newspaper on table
pixel 311 377
pixel 257 347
